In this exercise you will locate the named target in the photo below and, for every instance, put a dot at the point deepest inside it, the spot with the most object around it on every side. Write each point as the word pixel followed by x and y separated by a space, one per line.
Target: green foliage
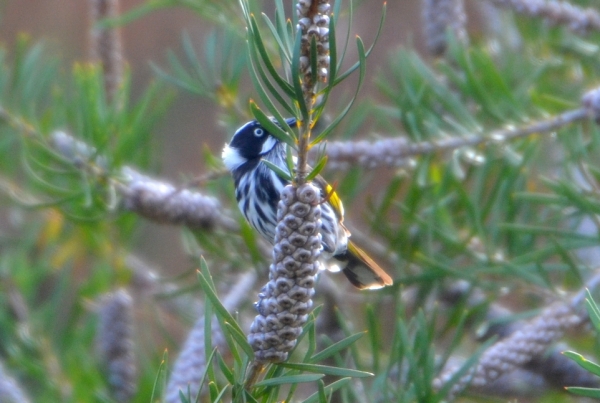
pixel 504 215
pixel 277 76
pixel 289 374
pixel 594 312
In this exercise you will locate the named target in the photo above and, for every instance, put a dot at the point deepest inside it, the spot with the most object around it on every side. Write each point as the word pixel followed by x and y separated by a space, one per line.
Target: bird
pixel 258 188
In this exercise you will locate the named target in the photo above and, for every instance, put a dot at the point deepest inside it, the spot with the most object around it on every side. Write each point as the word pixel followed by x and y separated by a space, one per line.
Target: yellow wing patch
pixel 334 200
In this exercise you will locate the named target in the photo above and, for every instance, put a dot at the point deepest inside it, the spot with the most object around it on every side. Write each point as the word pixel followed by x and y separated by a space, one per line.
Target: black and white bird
pixel 257 190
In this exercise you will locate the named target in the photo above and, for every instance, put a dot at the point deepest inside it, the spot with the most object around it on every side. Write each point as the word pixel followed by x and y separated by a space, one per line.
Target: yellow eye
pixel 258 132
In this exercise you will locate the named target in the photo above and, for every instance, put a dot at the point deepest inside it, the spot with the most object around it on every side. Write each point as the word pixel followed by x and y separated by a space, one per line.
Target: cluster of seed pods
pixel 313 23
pixel 286 300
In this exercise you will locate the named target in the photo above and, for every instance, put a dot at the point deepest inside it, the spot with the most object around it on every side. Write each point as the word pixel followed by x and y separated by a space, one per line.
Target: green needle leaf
pixel 317 169
pixel 332 387
pixel 583 362
pixel 290 380
pixel 280 172
pixel 327 370
pixel 336 348
pixel 260 46
pixel 271 126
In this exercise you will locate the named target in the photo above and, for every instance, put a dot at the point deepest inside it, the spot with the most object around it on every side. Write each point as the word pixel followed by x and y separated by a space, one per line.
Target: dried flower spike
pixel 191 363
pixel 115 344
pixel 439 17
pixel 162 202
pixel 517 349
pixel 286 300
pixel 190 366
pixel 313 24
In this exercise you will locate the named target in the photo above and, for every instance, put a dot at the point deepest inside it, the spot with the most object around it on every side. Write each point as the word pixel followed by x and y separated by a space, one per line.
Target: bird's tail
pixel 361 270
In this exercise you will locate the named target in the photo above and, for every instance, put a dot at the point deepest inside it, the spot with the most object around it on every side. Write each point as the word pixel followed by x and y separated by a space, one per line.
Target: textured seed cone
pixel 439 16
pixel 190 366
pixel 313 22
pixel 286 300
pixel 164 203
pixel 191 363
pixel 115 344
pixel 517 349
pixel 550 370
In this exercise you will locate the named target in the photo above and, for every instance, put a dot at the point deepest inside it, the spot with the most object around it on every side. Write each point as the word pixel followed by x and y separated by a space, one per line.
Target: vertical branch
pixel 313 24
pixel 105 45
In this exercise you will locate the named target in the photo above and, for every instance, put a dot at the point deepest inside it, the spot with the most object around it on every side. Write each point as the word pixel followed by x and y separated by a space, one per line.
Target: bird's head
pixel 251 142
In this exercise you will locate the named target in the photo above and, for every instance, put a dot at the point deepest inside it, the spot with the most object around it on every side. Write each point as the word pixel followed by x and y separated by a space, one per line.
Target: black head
pixel 250 142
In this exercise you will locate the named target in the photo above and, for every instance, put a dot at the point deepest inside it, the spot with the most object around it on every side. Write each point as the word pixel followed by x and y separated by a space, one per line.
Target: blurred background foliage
pixel 510 222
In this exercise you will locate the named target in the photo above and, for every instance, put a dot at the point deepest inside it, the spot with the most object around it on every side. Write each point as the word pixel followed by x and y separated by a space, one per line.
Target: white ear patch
pixel 232 158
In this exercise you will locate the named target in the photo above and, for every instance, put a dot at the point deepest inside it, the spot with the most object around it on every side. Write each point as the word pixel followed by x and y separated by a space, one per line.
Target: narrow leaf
pixel 321 391
pixel 337 347
pixel 327 370
pixel 298 94
pixel 217 305
pixel 280 172
pixel 280 44
pixel 240 338
pixel 271 126
pixel 209 368
pixel 289 380
pixel 317 169
pixel 255 75
pixel 588 392
pixel 290 160
pixel 313 59
pixel 332 387
pixel 227 372
pixel 260 46
pixel 248 397
pixel 338 119
pixel 332 52
pixel 583 362
pixel 593 310
pixel 160 375
pixel 260 80
pixel 356 65
pixel 219 397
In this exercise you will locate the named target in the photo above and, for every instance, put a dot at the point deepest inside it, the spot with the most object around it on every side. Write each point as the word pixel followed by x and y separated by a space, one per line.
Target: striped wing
pixel 362 271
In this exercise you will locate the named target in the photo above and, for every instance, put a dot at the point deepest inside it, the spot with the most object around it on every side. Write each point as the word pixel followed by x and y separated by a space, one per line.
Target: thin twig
pixel 397 151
